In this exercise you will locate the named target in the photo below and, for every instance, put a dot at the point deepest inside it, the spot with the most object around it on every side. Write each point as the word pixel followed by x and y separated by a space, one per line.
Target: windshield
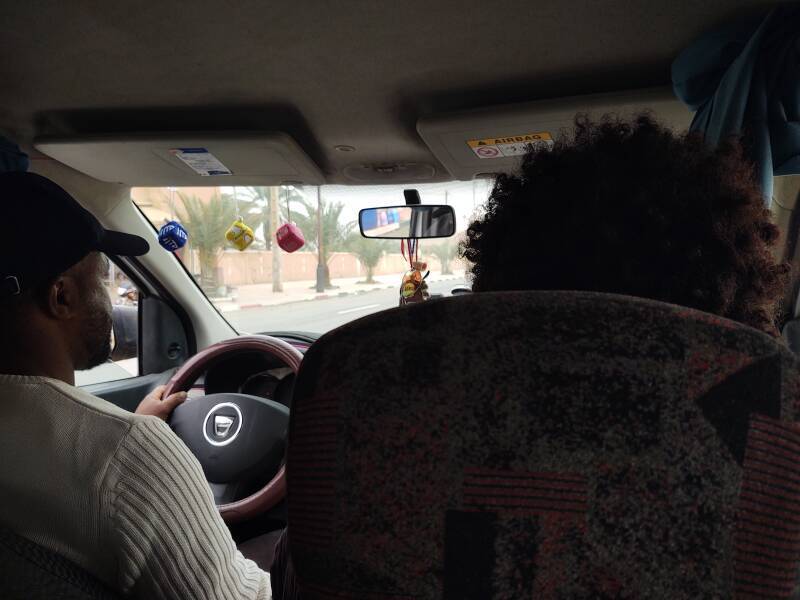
pixel 337 276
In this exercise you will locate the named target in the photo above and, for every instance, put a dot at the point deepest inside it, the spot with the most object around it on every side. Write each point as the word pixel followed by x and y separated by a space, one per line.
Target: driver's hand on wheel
pixel 156 405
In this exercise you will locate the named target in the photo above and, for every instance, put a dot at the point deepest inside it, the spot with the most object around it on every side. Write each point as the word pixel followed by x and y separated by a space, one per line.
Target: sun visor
pixel 186 159
pixel 492 140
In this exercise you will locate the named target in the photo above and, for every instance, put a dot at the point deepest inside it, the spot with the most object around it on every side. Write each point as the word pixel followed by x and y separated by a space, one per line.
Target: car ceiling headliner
pixel 359 73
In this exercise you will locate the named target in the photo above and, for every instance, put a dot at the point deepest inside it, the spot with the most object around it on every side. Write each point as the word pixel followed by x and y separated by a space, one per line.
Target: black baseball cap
pixel 44 231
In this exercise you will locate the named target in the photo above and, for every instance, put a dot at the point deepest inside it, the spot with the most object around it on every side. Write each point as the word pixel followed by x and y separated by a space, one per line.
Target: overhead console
pixel 186 159
pixel 491 140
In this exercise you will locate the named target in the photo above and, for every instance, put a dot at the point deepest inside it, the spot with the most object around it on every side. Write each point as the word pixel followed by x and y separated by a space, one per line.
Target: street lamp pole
pixel 274 212
pixel 320 251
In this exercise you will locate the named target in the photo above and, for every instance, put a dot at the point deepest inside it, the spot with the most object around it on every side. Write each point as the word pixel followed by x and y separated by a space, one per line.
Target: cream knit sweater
pixel 116 493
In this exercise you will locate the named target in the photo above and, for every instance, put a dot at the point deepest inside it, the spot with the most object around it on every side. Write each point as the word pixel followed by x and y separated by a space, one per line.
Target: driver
pixel 117 493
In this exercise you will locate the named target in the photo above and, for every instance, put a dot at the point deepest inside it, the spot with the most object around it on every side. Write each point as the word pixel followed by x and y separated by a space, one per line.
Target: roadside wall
pixel 243 268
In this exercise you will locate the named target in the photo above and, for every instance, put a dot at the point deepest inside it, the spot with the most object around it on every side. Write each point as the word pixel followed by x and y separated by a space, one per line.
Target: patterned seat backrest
pixel 545 445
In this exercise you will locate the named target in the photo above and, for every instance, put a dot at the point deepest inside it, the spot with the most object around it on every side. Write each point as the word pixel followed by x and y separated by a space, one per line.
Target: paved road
pixel 319 316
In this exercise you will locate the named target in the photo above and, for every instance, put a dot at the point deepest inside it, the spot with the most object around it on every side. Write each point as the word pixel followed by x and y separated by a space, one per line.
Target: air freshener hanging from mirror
pixel 413 288
pixel 239 234
pixel 172 236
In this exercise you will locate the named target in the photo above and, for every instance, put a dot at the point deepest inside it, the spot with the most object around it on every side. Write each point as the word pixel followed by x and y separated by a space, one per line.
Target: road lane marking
pixel 349 310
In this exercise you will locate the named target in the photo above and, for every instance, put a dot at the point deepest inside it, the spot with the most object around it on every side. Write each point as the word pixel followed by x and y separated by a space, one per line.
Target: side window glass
pixel 124 360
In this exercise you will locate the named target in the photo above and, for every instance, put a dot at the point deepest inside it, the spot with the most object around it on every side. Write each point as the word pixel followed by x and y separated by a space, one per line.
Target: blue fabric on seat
pixel 11 157
pixel 744 78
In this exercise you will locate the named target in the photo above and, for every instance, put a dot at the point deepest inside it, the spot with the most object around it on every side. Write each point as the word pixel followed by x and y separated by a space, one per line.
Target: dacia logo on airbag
pixel 222 424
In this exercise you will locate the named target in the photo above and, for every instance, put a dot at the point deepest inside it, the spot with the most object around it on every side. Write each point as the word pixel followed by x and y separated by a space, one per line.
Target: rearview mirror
pixel 125 332
pixel 416 221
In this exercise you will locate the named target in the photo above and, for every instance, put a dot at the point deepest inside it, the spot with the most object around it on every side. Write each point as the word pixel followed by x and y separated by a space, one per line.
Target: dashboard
pixel 255 374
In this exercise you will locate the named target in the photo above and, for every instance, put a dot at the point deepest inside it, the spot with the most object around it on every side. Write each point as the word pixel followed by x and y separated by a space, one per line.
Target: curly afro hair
pixel 631 208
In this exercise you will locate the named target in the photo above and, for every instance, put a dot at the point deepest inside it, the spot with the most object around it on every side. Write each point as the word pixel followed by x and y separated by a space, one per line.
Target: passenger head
pixel 55 313
pixel 631 208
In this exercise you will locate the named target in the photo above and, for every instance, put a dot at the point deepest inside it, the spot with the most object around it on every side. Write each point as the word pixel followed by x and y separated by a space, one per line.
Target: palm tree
pixel 445 251
pixel 368 251
pixel 334 233
pixel 259 199
pixel 207 223
pixel 262 201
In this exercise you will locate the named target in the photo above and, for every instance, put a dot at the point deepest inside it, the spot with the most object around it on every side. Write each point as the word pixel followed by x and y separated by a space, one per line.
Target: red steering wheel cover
pixel 275 491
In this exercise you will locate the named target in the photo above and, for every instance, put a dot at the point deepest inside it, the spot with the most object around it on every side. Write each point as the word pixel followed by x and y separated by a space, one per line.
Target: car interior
pixel 381 442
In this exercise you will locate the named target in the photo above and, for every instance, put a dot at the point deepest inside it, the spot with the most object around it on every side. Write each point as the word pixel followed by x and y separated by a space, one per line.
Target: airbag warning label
pixel 510 145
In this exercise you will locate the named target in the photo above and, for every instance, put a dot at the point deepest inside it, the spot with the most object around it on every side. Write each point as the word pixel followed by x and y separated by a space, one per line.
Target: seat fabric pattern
pixel 545 445
pixel 30 572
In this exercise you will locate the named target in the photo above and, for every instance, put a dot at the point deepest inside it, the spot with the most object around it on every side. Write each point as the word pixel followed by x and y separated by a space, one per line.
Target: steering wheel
pixel 235 437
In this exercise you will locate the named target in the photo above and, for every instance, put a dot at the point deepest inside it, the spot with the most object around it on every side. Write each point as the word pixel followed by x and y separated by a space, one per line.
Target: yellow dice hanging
pixel 239 235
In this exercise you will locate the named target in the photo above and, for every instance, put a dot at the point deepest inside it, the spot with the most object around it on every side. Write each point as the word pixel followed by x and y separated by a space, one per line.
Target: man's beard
pixel 97 337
